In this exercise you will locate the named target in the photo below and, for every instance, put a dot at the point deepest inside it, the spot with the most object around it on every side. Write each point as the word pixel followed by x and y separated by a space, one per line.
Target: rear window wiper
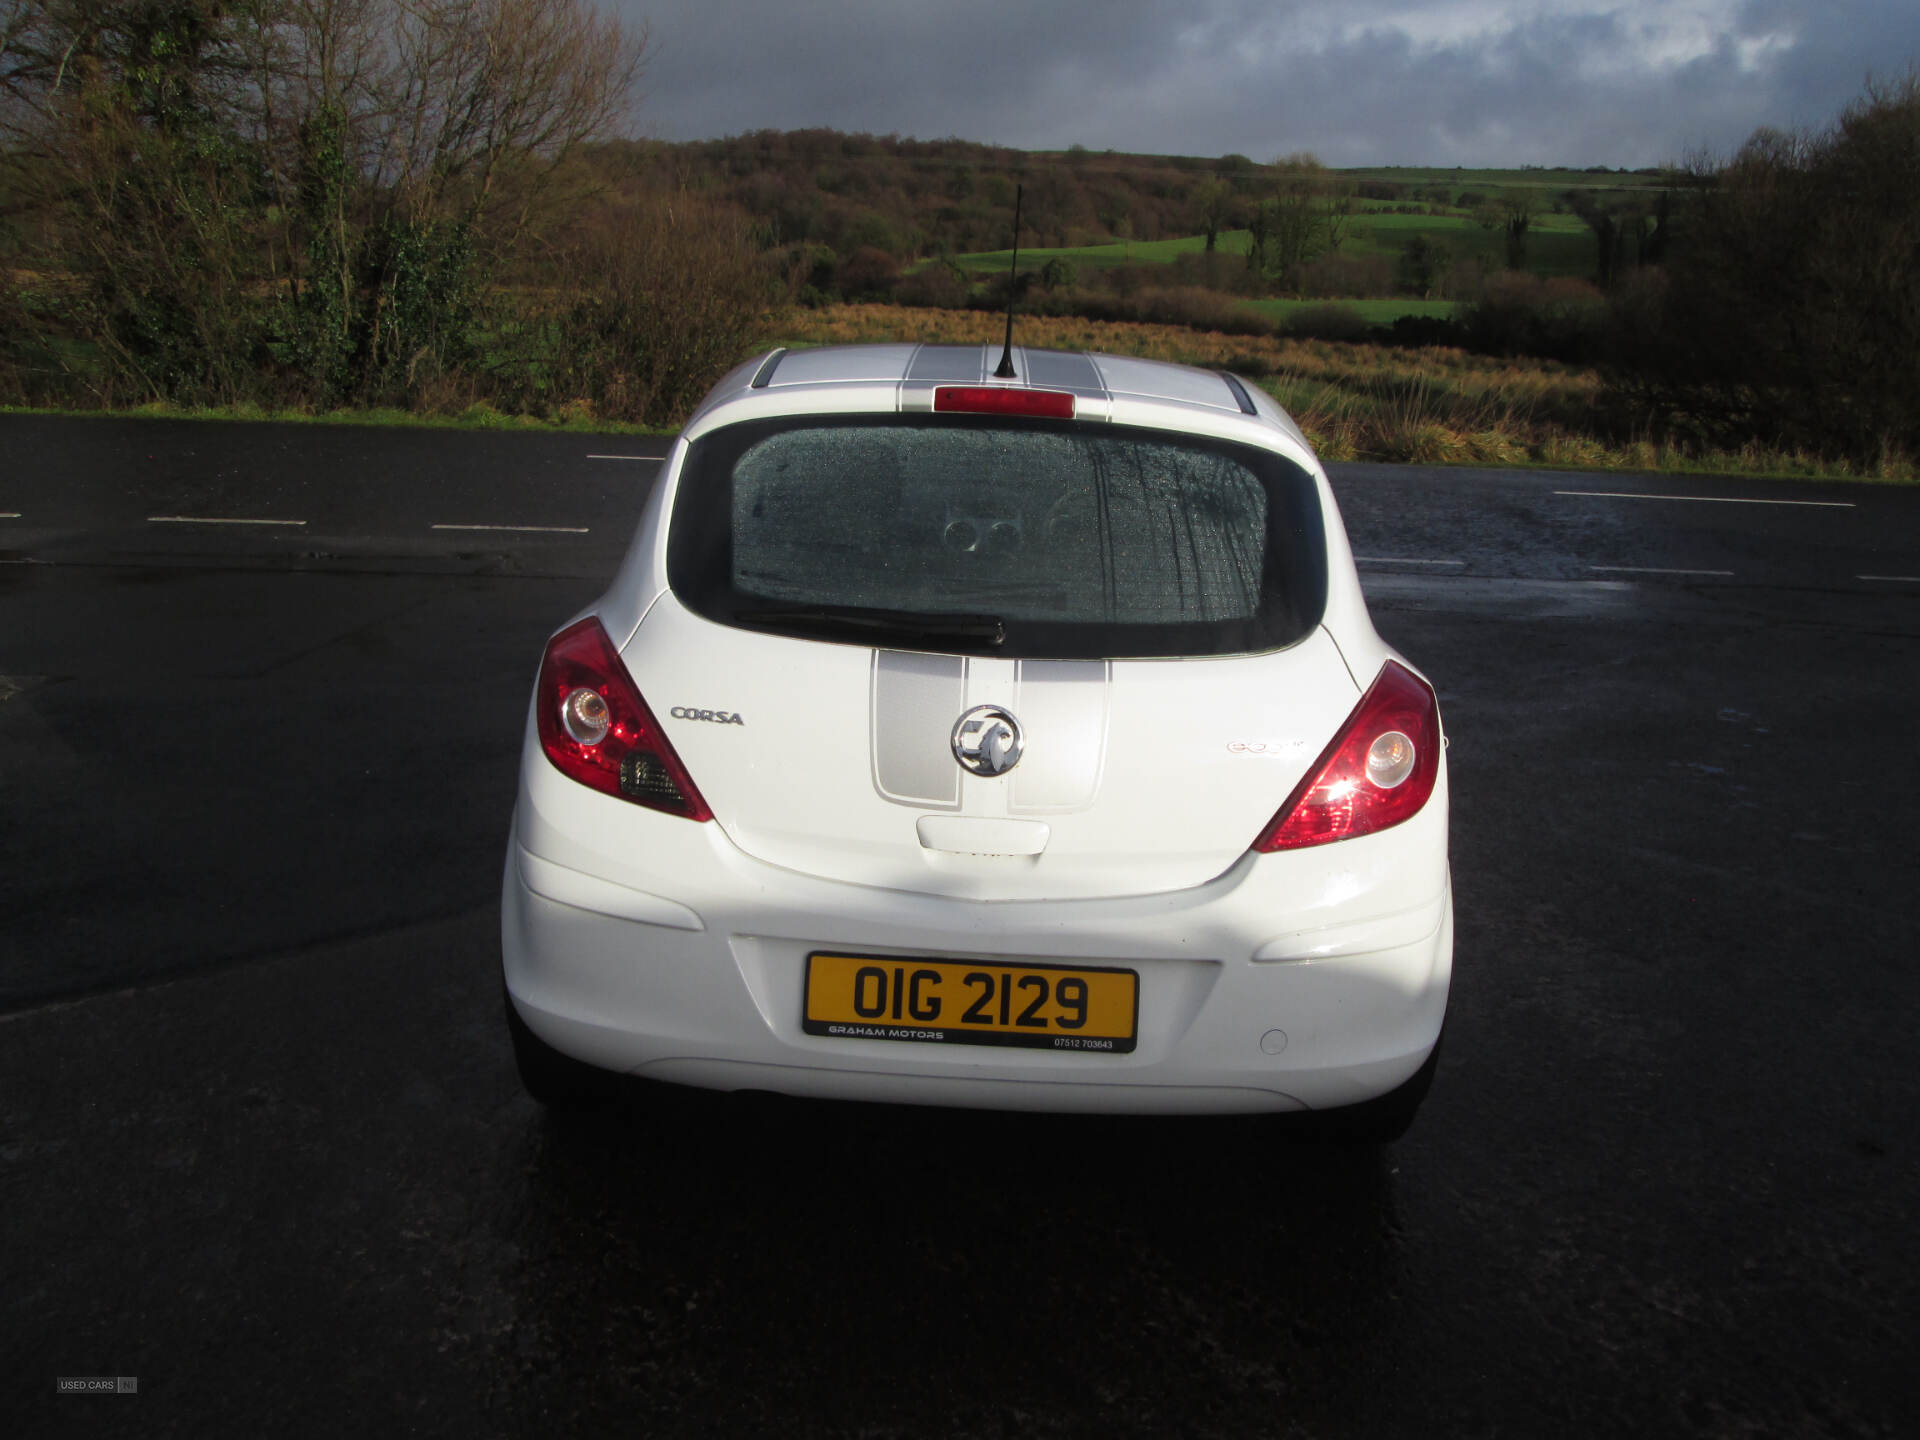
pixel 896 624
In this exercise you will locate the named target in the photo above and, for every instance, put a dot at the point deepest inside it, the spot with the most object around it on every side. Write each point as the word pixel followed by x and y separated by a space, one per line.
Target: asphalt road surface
pixel 261 1144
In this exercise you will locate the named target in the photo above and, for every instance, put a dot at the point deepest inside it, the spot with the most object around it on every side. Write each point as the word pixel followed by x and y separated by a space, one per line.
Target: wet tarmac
pixel 262 1147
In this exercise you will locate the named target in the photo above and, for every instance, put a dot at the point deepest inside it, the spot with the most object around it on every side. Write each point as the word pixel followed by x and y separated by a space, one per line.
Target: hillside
pixel 929 222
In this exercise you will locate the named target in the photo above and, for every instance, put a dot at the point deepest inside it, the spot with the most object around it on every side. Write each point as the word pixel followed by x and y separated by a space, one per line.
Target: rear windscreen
pixel 1081 541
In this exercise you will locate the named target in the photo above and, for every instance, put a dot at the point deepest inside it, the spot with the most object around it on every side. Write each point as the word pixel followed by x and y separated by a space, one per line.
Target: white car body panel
pixel 645 943
pixel 1153 775
pixel 1344 949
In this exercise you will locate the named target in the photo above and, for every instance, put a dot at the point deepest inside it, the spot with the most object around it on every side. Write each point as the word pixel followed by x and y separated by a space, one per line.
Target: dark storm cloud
pixel 1372 81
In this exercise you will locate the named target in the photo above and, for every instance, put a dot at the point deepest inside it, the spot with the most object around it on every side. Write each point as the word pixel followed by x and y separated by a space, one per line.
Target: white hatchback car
pixel 1015 743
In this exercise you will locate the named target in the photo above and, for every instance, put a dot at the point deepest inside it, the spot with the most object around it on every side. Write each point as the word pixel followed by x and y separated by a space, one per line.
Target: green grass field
pixel 1556 245
pixel 1118 252
pixel 1374 312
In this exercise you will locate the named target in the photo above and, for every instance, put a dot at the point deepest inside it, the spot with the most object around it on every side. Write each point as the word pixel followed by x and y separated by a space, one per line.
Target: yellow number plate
pixel 962 1002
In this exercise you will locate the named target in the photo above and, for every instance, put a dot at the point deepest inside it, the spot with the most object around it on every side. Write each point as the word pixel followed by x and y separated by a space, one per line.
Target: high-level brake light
pixel 1379 770
pixel 596 729
pixel 1003 400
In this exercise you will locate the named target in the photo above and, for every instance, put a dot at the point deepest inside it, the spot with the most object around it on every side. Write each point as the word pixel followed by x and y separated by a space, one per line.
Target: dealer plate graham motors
pixel 966 1002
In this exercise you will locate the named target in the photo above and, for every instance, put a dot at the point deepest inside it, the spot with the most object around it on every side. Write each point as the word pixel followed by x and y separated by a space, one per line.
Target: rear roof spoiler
pixel 767 367
pixel 1239 393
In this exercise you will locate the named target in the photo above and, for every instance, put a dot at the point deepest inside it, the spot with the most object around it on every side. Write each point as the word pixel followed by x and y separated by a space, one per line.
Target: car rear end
pixel 1011 744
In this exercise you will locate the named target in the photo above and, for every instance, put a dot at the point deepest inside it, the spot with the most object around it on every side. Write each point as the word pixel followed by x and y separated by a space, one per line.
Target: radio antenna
pixel 1005 369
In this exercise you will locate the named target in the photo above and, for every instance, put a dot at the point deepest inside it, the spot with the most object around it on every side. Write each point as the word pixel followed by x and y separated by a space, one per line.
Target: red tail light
pixel 1003 400
pixel 596 729
pixel 1379 770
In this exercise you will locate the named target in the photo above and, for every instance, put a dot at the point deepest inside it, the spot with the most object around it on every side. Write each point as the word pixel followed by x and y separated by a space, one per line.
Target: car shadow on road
pixel 864 1263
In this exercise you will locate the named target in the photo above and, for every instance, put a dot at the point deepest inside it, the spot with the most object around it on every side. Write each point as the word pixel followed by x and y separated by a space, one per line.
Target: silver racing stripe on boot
pixel 1062 705
pixel 914 700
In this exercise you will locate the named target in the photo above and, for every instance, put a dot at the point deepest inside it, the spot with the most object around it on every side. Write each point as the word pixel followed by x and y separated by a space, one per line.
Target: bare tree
pixel 451 109
pixel 372 160
pixel 1292 220
pixel 1789 306
pixel 479 95
pixel 1336 213
pixel 1516 217
pixel 1425 263
pixel 662 294
pixel 1213 203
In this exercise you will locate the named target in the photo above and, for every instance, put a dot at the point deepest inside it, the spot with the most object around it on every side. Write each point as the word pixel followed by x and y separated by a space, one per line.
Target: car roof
pixel 846 378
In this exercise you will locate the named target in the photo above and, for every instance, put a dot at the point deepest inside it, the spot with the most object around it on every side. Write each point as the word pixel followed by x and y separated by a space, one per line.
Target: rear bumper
pixel 1296 981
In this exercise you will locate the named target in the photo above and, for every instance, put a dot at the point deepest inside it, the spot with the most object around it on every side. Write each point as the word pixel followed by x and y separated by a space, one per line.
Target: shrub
pixel 1188 305
pixel 1521 314
pixel 1345 277
pixel 278 203
pixel 1426 264
pixel 23 357
pixel 652 309
pixel 1326 322
pixel 868 273
pixel 1200 310
pixel 1418 331
pixel 1216 271
pixel 939 285
pixel 869 229
pixel 1793 312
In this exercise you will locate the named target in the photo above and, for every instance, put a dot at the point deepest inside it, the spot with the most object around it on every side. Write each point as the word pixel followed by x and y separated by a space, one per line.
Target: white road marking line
pixel 1653 570
pixel 1708 499
pixel 214 520
pixel 522 529
pixel 623 457
pixel 9 514
pixel 1401 560
pixel 1898 579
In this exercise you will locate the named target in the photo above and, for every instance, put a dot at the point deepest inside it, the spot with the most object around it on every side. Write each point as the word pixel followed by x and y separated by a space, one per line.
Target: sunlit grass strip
pixel 1433 406
pixel 579 421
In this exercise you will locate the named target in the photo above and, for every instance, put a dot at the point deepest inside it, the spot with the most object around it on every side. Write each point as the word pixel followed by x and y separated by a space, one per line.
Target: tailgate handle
pixel 978 835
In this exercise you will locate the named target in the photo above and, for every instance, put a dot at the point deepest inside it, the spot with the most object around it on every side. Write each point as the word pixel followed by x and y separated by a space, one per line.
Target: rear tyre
pixel 557 1081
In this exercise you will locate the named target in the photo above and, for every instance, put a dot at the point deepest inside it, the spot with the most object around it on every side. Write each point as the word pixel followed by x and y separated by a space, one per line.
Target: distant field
pixel 1394 226
pixel 1118 252
pixel 1556 244
pixel 1553 181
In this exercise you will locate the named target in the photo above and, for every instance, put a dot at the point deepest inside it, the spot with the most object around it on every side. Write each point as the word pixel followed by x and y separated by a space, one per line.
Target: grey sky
pixel 1413 82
